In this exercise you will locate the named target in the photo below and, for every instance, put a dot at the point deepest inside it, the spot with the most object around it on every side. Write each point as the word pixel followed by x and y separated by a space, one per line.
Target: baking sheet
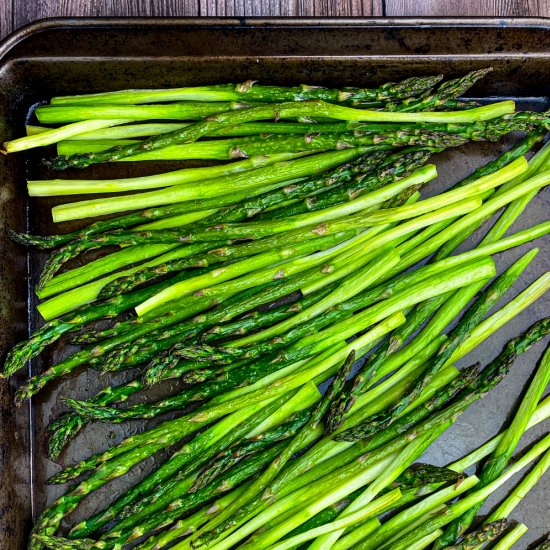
pixel 69 56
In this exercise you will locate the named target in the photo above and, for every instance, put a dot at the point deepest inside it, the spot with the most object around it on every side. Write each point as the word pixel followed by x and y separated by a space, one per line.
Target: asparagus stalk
pixel 295 257
pixel 312 109
pixel 53 330
pixel 380 397
pixel 121 532
pixel 470 319
pixel 501 456
pixel 414 294
pixel 125 531
pixel 192 456
pixel 61 430
pixel 489 376
pixel 450 391
pixel 190 524
pixel 380 240
pixel 250 90
pixel 297 442
pixel 465 223
pixel 235 454
pixel 87 279
pixel 404 164
pixel 147 129
pixel 54 135
pixel 405 520
pixel 446 91
pixel 518 493
pixel 107 468
pixel 56 187
pixel 239 304
pixel 429 135
pixel 373 453
pixel 199 255
pixel 509 539
pixel 457 509
pixel 482 535
pixel 392 434
pixel 278 172
pixel 238 377
pixel 359 473
pixel 192 110
pixel 235 148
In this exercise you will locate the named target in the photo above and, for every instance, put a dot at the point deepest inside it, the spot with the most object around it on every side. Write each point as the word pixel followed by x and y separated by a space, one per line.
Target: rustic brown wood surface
pixel 15 13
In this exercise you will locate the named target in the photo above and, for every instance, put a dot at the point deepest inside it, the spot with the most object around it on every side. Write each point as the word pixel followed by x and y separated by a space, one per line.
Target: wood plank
pixel 461 8
pixel 15 13
pixel 6 17
pixel 26 11
pixel 291 8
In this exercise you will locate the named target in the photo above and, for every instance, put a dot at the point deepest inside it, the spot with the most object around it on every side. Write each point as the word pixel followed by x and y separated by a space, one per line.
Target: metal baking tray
pixel 68 56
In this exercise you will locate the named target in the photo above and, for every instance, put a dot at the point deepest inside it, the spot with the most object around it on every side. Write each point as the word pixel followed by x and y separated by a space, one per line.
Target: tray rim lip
pixel 51 23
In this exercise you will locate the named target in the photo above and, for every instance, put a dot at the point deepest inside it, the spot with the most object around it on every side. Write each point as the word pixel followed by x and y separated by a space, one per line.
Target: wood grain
pixel 295 8
pixel 15 13
pixel 501 8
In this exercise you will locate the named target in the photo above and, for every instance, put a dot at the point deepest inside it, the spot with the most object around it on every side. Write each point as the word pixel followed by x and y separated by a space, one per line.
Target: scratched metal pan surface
pixel 71 56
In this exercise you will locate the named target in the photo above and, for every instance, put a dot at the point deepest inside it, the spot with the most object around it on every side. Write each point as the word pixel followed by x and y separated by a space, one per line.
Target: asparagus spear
pixel 518 493
pixel 268 175
pixel 384 442
pixel 235 454
pixel 61 430
pixel 494 371
pixel 482 535
pixel 237 148
pixel 53 330
pixel 402 167
pixel 192 174
pixel 160 266
pixel 346 480
pixel 178 506
pixel 108 468
pixel 429 135
pixel 190 524
pixel 500 458
pixel 53 135
pixel 245 301
pixel 418 479
pixel 123 532
pixel 197 304
pixel 335 416
pixel 414 294
pixel 462 505
pixel 453 388
pixel 231 514
pixel 186 461
pixel 472 317
pixel 312 109
pixel 405 520
pixel 250 90
pixel 446 91
pixel 234 377
pixel 509 539
pixel 413 421
pixel 188 424
pixel 191 110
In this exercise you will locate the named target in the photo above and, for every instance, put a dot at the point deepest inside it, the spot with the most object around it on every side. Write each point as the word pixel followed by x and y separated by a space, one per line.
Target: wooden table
pixel 15 13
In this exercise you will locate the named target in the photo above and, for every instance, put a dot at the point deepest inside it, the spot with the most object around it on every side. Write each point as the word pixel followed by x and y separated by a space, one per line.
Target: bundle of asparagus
pixel 254 282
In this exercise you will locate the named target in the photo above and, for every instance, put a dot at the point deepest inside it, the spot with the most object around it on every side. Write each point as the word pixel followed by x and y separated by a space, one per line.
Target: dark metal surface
pixel 76 56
